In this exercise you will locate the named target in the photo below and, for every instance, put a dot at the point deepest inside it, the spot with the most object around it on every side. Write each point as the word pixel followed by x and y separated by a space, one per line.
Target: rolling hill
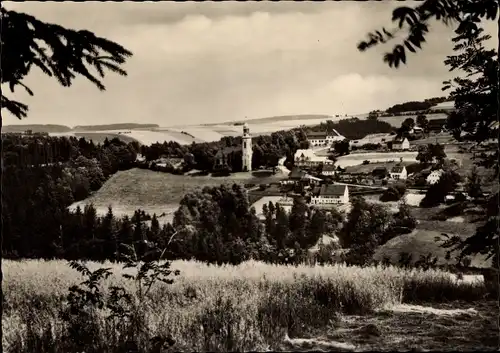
pixel 156 192
pixel 148 134
pixel 36 128
pixel 120 126
pixel 273 119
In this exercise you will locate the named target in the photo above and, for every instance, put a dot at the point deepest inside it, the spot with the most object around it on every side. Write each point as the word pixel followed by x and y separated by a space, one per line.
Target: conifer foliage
pixel 59 52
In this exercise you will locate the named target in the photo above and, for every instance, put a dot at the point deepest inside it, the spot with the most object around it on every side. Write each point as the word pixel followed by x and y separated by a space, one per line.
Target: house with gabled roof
pixel 223 156
pixel 402 145
pixel 328 170
pixel 331 194
pixel 399 172
pixel 307 158
pixel 324 138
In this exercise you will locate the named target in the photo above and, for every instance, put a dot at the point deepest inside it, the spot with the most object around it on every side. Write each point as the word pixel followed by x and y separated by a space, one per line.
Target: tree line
pixel 42 176
pixel 267 150
pixel 216 225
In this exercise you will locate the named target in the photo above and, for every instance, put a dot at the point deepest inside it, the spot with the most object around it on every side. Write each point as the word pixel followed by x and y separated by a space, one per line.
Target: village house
pixel 328 170
pixel 399 172
pixel 436 125
pixel 307 158
pixel 223 156
pixel 331 194
pixel 324 138
pixel 298 176
pixel 400 145
pixel 434 176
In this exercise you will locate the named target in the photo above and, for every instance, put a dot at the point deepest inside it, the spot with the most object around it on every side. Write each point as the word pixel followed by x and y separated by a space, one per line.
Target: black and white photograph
pixel 250 176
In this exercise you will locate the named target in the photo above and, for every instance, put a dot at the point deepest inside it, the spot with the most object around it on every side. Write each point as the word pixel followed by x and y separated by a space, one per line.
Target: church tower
pixel 246 149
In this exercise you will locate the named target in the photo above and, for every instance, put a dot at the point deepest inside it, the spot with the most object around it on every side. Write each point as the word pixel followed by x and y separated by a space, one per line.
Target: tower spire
pixel 246 149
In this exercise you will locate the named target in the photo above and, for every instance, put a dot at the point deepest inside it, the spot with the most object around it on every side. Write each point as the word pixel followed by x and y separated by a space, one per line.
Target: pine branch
pixel 466 13
pixel 57 51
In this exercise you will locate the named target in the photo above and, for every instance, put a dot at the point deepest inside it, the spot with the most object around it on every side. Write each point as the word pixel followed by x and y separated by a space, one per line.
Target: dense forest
pixel 415 105
pixel 36 128
pixel 353 128
pixel 42 176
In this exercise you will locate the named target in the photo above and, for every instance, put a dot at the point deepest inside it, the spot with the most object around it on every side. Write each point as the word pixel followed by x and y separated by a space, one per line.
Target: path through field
pixel 450 327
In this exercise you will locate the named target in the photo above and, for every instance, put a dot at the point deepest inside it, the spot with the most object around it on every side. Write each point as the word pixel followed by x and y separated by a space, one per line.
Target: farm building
pixel 436 125
pixel 307 158
pixel 434 176
pixel 399 172
pixel 223 157
pixel 402 145
pixel 324 138
pixel 297 175
pixel 328 170
pixel 331 194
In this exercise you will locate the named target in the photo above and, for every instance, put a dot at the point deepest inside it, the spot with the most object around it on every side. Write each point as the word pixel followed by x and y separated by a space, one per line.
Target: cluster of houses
pixel 337 193
pixel 320 193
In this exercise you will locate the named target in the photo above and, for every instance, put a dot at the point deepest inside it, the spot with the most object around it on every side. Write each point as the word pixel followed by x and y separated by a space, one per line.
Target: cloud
pixel 206 62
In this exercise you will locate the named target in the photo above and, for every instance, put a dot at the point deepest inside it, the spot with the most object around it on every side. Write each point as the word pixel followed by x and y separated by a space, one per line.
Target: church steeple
pixel 246 147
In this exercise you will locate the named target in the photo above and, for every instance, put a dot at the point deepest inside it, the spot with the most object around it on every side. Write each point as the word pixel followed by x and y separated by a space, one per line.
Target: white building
pixel 246 147
pixel 399 172
pixel 401 145
pixel 331 194
pixel 324 138
pixel 434 176
pixel 307 158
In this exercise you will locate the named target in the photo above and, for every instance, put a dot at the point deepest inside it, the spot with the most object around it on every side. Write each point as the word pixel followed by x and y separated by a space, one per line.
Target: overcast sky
pixel 211 62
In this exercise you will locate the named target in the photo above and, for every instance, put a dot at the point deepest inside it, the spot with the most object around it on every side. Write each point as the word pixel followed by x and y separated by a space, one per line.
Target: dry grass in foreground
pixel 231 308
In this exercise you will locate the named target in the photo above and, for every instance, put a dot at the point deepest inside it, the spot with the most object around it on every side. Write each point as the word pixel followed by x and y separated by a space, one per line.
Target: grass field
pixel 397 120
pixel 421 242
pixel 260 307
pixel 157 192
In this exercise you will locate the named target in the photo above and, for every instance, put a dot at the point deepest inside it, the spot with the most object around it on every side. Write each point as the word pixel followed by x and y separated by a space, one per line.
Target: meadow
pixel 398 119
pixel 255 306
pixel 157 192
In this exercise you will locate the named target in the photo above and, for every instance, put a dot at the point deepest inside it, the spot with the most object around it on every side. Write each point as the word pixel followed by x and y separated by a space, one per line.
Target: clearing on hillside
pixel 157 192
pixel 422 241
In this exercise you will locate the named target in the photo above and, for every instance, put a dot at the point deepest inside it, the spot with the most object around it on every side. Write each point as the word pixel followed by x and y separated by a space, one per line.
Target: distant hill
pixel 121 126
pixel 416 106
pixel 36 128
pixel 277 118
